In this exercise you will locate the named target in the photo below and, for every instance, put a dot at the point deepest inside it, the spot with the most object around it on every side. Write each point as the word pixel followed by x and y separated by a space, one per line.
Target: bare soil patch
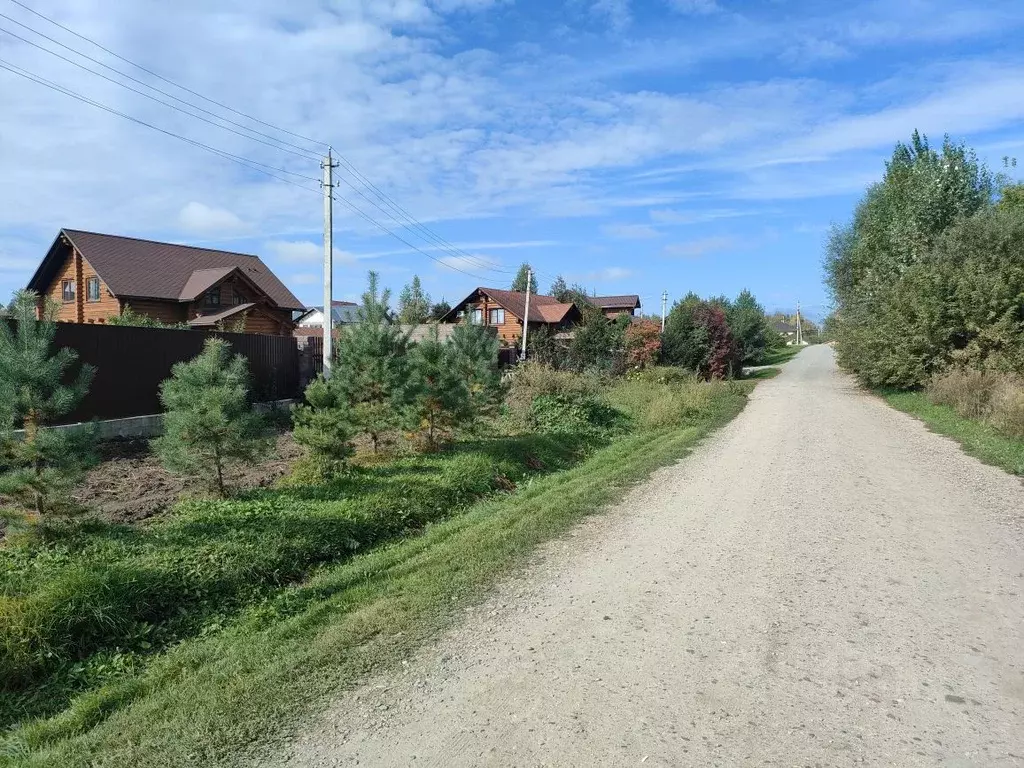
pixel 130 484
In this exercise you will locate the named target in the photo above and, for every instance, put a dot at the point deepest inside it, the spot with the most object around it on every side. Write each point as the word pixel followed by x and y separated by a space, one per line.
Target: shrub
pixel 474 357
pixel 209 422
pixel 38 469
pixel 531 380
pixel 323 426
pixel 697 337
pixel 643 343
pixel 572 414
pixel 598 344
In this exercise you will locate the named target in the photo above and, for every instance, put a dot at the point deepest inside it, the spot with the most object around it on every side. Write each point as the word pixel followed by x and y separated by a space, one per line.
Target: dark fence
pixel 131 363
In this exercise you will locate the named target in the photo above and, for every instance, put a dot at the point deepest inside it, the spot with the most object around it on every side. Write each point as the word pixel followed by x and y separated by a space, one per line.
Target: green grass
pixel 217 699
pixel 780 355
pixel 762 374
pixel 980 440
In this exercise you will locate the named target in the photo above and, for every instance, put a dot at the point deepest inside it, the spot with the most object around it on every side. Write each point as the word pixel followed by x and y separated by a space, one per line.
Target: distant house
pixel 506 311
pixel 93 277
pixel 342 313
pixel 613 306
pixel 790 333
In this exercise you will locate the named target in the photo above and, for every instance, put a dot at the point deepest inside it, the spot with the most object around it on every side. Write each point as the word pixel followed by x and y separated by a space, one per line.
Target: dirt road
pixel 824 583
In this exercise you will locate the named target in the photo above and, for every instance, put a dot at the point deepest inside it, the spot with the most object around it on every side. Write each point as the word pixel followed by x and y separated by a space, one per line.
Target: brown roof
pixel 543 309
pixel 202 280
pixel 630 300
pixel 216 317
pixel 153 270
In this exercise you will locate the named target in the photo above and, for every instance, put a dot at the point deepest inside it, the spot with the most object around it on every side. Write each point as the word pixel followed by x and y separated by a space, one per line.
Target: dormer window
pixel 212 298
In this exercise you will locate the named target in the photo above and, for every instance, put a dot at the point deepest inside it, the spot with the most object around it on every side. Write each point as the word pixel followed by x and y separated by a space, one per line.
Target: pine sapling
pixel 209 422
pixel 438 398
pixel 39 469
pixel 371 367
pixel 474 354
pixel 323 426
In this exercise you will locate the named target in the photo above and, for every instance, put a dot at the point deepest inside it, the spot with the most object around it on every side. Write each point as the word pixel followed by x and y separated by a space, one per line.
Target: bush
pixel 697 337
pixel 531 380
pixel 1008 410
pixel 643 343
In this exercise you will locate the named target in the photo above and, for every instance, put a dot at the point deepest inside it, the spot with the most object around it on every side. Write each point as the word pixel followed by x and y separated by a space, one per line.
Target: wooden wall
pixel 510 332
pixel 169 312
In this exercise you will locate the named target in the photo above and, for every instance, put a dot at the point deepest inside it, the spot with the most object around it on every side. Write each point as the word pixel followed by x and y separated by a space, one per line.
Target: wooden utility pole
pixel 526 314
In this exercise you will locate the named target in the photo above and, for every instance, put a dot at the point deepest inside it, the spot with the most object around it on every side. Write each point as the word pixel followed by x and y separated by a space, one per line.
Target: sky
pixel 633 146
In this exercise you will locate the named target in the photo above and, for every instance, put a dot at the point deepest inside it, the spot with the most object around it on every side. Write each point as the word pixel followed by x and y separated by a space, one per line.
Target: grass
pixel 761 374
pixel 780 355
pixel 978 439
pixel 216 699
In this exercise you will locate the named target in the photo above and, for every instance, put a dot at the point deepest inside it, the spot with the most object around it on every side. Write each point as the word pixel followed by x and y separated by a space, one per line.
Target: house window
pixel 476 316
pixel 67 291
pixel 236 297
pixel 212 298
pixel 497 317
pixel 92 289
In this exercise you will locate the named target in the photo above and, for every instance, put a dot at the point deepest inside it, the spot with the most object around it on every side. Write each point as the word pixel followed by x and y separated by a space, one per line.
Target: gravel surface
pixel 823 583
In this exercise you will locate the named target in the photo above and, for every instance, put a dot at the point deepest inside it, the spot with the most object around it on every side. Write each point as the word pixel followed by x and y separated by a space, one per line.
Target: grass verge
pixel 979 439
pixel 222 699
pixel 780 356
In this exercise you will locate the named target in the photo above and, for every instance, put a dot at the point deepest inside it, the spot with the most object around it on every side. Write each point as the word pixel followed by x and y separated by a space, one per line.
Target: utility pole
pixel 526 315
pixel 664 304
pixel 799 326
pixel 327 184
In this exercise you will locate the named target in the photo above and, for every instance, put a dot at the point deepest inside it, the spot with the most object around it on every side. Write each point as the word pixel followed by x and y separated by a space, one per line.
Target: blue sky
pixel 634 146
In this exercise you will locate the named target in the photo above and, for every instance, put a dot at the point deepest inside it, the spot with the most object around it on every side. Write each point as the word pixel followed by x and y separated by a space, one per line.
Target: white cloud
pixel 305 278
pixel 198 219
pixel 694 249
pixel 667 216
pixel 630 231
pixel 608 275
pixel 18 265
pixel 696 7
pixel 615 12
pixel 305 251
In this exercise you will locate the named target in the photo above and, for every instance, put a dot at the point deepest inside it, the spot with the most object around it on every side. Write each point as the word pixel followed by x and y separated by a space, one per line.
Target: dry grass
pixel 990 396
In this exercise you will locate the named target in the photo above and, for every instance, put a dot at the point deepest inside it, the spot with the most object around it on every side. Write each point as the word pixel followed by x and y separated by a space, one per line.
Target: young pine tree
pixel 371 366
pixel 413 303
pixel 520 280
pixel 209 422
pixel 40 468
pixel 474 353
pixel 323 426
pixel 438 399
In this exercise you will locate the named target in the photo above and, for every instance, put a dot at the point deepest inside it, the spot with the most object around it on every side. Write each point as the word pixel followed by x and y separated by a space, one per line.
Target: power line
pixel 164 79
pixel 247 162
pixel 278 144
pixel 409 222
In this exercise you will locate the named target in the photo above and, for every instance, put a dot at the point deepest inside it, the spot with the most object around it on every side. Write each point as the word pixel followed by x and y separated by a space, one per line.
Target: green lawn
pixel 977 438
pixel 223 693
pixel 780 356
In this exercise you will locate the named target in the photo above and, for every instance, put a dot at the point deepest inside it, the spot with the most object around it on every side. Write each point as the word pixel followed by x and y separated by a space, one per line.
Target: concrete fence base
pixel 146 426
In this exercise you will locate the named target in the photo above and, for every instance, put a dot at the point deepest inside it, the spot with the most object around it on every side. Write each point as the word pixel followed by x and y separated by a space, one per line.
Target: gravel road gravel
pixel 823 583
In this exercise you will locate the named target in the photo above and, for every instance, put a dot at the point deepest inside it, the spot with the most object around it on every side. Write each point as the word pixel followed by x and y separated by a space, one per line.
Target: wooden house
pixel 93 277
pixel 613 306
pixel 506 312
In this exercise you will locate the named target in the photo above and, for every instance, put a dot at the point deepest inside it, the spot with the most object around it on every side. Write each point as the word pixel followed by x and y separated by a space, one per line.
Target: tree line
pixel 928 276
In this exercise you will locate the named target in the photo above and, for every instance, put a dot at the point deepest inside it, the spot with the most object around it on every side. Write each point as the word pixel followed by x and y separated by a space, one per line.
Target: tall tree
pixel 697 336
pixel 413 303
pixel 879 267
pixel 440 309
pixel 209 422
pixel 751 327
pixel 560 290
pixel 40 468
pixel 520 280
pixel 372 366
